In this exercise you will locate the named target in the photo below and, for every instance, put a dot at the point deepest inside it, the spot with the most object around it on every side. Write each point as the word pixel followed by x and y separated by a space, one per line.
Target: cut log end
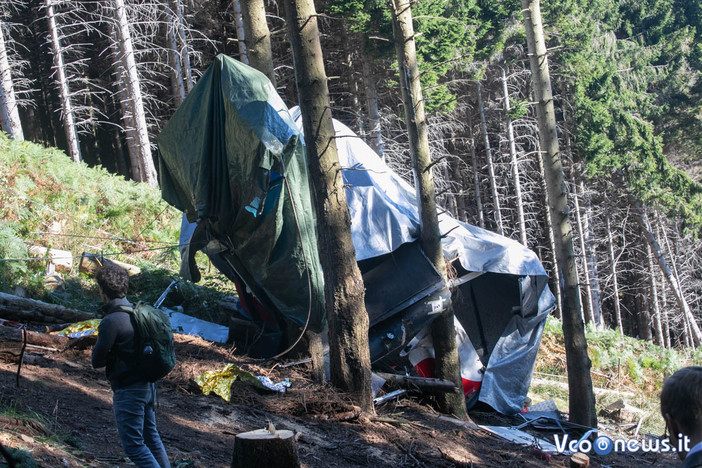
pixel 265 448
pixel 579 460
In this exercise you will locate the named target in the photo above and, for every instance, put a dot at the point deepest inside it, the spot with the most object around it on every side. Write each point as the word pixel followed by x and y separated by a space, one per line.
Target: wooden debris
pixel 8 334
pixel 91 263
pixel 418 383
pixel 22 309
pixel 61 259
pixel 265 448
pixel 579 460
pixel 622 412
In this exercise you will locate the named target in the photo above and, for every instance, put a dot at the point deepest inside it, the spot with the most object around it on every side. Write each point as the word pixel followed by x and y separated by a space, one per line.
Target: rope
pixel 105 254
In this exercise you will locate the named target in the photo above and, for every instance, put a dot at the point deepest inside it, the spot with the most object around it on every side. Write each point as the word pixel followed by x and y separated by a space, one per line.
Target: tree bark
pixel 551 235
pixel 447 365
pixel 265 448
pixel 184 49
pixel 147 170
pixel 588 314
pixel 33 338
pixel 653 288
pixel 371 92
pixel 515 162
pixel 581 396
pixel 696 334
pixel 10 115
pixel 67 116
pixel 491 166
pixel 343 285
pixel 476 177
pixel 591 259
pixel 22 309
pixel 257 37
pixel 615 282
pixel 240 36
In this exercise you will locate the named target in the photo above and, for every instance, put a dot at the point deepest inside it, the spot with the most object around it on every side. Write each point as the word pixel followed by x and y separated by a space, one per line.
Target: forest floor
pixel 61 413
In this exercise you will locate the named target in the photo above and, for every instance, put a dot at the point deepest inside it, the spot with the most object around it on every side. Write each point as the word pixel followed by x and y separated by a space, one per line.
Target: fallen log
pixel 264 448
pixel 418 383
pixel 91 263
pixel 33 338
pixel 22 309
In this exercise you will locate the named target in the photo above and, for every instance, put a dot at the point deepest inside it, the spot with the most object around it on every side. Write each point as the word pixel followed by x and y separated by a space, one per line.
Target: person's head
pixel 681 404
pixel 113 281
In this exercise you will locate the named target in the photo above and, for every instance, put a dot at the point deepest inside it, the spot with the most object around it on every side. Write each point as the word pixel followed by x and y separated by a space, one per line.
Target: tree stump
pixel 579 460
pixel 265 448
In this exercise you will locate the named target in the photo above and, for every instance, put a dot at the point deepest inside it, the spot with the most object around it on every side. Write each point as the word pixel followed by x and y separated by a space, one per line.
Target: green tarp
pixel 232 157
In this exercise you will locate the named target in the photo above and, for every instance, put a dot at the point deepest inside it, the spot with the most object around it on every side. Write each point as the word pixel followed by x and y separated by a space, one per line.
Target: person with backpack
pixel 121 350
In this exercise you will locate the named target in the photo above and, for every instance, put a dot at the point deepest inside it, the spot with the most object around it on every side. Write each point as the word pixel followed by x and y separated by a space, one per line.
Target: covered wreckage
pixel 232 159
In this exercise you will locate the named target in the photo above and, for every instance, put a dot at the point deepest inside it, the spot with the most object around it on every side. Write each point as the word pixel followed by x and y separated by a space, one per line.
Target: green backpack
pixel 153 337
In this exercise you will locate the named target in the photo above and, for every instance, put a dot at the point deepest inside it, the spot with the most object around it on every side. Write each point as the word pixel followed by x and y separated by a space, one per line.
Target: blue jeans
pixel 136 424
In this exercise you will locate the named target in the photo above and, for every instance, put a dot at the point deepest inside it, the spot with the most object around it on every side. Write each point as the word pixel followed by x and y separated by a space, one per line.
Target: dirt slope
pixel 71 421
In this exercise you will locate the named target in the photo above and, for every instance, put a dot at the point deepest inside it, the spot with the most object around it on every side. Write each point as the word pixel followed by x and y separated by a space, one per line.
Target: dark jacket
pixel 115 347
pixel 693 461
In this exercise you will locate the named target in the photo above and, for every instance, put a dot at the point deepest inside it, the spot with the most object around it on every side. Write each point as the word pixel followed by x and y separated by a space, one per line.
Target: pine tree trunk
pixel 476 177
pixel 257 37
pixel 591 260
pixel 69 126
pixel 581 396
pixel 177 84
pixel 343 285
pixel 588 316
pixel 490 165
pixel 10 115
pixel 515 162
pixel 240 36
pixel 695 333
pixel 371 92
pixel 551 236
pixel 447 365
pixel 653 287
pixel 184 48
pixel 147 170
pixel 351 81
pixel 615 281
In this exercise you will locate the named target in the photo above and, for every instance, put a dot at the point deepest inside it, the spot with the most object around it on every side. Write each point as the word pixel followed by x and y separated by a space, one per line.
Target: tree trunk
pixel 343 285
pixel 515 162
pixel 147 170
pixel 257 37
pixel 174 60
pixel 184 48
pixel 655 309
pixel 10 115
pixel 264 448
pixel 371 92
pixel 240 36
pixel 581 397
pixel 22 309
pixel 351 81
pixel 695 333
pixel 491 167
pixel 447 365
pixel 551 235
pixel 591 260
pixel 476 177
pixel 67 115
pixel 615 282
pixel 588 315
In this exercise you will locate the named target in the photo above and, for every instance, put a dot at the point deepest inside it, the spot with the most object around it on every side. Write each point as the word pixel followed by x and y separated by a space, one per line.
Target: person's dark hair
pixel 113 280
pixel 681 398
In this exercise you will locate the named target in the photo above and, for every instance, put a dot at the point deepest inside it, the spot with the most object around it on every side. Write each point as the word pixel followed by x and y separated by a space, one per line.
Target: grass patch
pixel 619 364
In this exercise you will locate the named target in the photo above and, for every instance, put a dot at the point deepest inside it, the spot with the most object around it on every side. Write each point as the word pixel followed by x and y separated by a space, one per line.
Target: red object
pixel 425 368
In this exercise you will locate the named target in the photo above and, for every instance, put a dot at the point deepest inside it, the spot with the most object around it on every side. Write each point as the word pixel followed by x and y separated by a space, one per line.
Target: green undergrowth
pixel 623 368
pixel 49 202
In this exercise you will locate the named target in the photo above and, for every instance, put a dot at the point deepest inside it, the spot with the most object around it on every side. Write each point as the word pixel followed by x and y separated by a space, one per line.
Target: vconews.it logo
pixel 603 445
